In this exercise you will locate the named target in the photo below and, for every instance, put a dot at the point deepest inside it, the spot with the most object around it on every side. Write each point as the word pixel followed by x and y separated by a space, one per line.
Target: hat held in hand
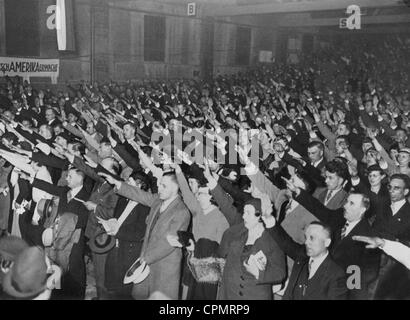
pixel 101 242
pixel 137 272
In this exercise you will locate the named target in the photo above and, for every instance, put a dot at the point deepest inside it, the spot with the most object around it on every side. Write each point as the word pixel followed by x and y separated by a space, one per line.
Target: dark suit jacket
pixel 377 200
pixel 346 252
pixel 130 238
pixel 102 195
pixel 74 281
pixel 394 278
pixel 328 283
pixel 395 227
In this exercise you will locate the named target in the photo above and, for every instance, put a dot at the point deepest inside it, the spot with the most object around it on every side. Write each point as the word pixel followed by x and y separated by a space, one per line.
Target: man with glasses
pixel 393 219
pixel 345 223
pixel 393 223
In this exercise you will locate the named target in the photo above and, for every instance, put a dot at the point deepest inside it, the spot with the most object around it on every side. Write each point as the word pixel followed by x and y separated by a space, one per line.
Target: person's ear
pixel 328 242
pixel 406 192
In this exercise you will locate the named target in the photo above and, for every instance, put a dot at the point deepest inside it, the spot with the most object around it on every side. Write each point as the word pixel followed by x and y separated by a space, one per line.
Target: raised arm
pixel 90 172
pixel 225 204
pixel 187 195
pixel 334 218
pixel 135 194
pixel 261 182
pixel 290 247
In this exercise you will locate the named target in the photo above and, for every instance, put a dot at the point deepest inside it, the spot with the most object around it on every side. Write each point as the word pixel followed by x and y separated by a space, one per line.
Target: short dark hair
pixel 131 124
pixel 403 177
pixel 316 144
pixel 11 137
pixel 375 167
pixel 339 167
pixel 394 146
pixel 143 178
pixel 172 176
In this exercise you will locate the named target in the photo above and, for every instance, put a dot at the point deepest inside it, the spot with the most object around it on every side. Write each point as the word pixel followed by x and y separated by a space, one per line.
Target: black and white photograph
pixel 204 153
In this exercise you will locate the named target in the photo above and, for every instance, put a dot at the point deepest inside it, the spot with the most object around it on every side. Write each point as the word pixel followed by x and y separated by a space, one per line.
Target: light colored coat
pixel 163 259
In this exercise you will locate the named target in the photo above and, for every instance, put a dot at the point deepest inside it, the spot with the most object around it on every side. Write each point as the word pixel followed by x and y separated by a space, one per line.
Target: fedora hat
pixel 47 210
pixel 137 272
pixel 28 275
pixel 101 242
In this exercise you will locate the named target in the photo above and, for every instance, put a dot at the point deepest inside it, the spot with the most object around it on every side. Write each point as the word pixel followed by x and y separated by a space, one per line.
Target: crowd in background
pixel 161 176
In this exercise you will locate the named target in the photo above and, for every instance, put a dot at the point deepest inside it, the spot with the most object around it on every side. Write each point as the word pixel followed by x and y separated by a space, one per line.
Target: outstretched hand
pixel 372 242
pixel 110 179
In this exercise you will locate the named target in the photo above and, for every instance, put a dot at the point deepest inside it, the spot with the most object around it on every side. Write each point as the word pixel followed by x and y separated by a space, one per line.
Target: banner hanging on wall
pixel 28 67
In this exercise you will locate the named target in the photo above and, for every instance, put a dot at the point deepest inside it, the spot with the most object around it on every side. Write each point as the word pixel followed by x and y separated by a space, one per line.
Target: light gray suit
pixel 163 259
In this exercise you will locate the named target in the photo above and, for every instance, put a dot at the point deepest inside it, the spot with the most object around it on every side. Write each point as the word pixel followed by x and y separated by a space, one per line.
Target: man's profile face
pixel 74 180
pixel 333 181
pixel 317 241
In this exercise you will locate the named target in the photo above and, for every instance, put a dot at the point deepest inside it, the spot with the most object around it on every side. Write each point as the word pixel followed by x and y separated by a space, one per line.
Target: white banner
pixel 28 67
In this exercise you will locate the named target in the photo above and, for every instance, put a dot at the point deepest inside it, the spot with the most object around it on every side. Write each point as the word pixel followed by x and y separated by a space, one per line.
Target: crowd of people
pixel 283 182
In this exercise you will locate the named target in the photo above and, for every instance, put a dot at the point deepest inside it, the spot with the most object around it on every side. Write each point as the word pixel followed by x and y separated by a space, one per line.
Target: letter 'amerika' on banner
pixel 65 25
pixel 27 67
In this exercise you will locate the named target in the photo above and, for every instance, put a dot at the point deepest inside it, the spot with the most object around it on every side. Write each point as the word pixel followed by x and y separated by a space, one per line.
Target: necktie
pixel 344 229
pixel 328 197
pixel 69 196
pixel 310 268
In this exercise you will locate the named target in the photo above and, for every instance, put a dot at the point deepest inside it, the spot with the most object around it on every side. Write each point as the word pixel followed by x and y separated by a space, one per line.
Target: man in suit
pixel 316 155
pixel 72 197
pixel 129 228
pixel 101 204
pixel 168 215
pixel 315 276
pixel 393 219
pixel 333 196
pixel 51 118
pixel 346 222
pixel 393 223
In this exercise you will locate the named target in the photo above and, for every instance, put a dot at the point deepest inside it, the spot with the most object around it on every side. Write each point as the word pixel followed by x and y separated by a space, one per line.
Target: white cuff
pixel 355 181
pixel 251 169
pixel 270 222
